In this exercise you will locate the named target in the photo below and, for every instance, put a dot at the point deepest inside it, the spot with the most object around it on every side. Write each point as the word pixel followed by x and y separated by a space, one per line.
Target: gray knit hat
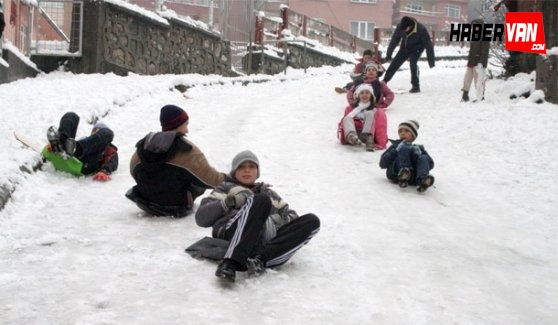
pixel 242 157
pixel 411 126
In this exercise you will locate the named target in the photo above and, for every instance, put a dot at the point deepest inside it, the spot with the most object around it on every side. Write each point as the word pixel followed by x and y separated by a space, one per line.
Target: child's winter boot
pixel 53 138
pixel 352 139
pixel 255 266
pixel 403 177
pixel 425 182
pixel 370 143
pixel 227 270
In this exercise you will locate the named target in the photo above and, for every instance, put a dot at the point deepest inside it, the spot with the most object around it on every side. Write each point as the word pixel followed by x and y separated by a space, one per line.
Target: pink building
pixel 436 14
pixel 358 17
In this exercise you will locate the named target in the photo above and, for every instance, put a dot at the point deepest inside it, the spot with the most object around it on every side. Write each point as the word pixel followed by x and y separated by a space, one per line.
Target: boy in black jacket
pixel 408 163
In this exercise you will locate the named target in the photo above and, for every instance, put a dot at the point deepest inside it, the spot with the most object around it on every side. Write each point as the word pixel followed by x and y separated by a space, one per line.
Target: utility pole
pixel 210 22
pixel 159 5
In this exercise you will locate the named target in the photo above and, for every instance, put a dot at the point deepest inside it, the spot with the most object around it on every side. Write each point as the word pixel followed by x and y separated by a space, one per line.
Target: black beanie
pixel 172 117
pixel 406 21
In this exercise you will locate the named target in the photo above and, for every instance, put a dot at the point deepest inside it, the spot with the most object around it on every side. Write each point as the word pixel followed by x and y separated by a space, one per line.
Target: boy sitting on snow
pixel 262 230
pixel 408 163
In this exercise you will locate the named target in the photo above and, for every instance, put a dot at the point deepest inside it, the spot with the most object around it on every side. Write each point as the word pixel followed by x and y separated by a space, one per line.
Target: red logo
pixel 525 32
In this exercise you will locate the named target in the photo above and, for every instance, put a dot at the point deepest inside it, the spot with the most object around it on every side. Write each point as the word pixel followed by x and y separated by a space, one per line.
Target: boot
pixel 340 90
pixel 425 182
pixel 255 266
pixel 226 270
pixel 352 139
pixel 370 143
pixel 415 89
pixel 403 177
pixel 53 138
pixel 70 146
pixel 465 97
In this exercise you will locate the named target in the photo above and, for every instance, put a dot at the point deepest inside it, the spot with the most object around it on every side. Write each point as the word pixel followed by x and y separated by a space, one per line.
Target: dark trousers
pixel 419 164
pixel 89 150
pixel 398 60
pixel 245 229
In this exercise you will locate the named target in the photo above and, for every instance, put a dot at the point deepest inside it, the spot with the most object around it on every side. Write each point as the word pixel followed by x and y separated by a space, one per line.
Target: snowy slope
pixel 479 248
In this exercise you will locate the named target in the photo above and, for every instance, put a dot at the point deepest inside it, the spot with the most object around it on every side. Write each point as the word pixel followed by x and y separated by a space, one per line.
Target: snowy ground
pixel 479 248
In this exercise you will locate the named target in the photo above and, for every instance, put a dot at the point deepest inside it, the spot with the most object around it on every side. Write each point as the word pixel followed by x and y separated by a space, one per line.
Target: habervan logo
pixel 524 32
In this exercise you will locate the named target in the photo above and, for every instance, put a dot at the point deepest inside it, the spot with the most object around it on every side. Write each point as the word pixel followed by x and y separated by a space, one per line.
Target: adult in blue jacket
pixel 413 39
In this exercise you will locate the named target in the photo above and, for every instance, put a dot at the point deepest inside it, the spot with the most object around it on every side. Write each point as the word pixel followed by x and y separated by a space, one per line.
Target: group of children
pixel 257 225
pixel 365 122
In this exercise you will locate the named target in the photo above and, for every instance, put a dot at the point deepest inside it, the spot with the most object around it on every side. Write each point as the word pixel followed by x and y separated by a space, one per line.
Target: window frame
pixel 363 27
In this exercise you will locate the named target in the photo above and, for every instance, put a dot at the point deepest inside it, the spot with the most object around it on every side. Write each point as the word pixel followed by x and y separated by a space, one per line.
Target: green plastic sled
pixel 70 165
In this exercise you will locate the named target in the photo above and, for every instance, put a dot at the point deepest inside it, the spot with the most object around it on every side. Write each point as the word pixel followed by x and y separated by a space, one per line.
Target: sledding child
pixel 383 98
pixel 263 231
pixel 382 93
pixel 96 151
pixel 359 71
pixel 358 125
pixel 170 171
pixel 406 162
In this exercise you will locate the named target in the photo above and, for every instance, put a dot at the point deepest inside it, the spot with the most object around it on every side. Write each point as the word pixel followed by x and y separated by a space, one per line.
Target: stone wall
pixel 119 40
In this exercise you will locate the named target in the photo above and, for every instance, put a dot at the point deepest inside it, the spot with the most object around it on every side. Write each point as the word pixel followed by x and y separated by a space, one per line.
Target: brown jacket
pixel 170 170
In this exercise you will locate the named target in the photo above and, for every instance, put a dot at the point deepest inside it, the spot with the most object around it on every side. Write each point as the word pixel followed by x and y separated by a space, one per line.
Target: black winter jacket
pixel 171 171
pixel 414 42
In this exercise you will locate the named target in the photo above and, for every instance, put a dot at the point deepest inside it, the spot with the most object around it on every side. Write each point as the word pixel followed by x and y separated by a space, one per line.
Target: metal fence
pixel 56 28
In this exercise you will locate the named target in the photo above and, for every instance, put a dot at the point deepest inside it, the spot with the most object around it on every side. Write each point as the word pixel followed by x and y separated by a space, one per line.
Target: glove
pixel 237 200
pixel 101 177
pixel 400 145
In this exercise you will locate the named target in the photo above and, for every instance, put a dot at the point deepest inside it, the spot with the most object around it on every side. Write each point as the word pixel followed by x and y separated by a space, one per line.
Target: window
pixel 363 29
pixel 365 1
pixel 453 11
pixel 202 3
pixel 414 7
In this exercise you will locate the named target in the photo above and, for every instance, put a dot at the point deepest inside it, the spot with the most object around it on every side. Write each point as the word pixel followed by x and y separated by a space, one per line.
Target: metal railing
pixel 248 51
pixel 56 29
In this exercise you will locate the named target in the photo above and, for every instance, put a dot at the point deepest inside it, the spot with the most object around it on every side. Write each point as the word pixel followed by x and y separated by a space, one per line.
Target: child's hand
pixel 101 177
pixel 237 200
pixel 401 144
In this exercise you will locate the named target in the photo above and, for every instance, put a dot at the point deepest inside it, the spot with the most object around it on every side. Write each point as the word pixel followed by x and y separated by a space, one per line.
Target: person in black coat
pixel 170 170
pixel 2 23
pixel 413 39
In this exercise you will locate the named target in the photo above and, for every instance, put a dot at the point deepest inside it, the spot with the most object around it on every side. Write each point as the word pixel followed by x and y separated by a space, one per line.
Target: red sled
pixel 380 127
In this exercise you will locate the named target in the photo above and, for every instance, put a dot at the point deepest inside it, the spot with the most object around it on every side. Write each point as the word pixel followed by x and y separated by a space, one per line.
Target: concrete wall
pixel 17 70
